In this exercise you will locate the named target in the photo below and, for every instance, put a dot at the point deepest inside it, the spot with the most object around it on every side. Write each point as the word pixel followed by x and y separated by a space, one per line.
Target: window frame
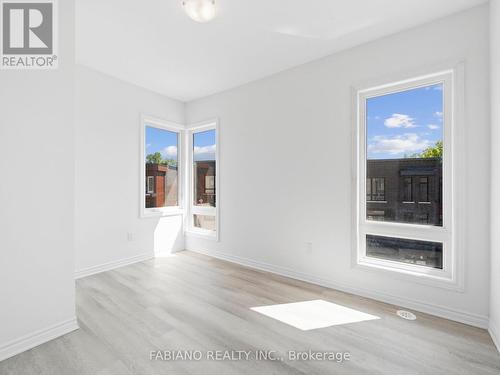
pixel 192 209
pixel 154 122
pixel 450 234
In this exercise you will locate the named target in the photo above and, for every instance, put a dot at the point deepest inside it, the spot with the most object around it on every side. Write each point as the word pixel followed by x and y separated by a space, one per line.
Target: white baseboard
pixel 36 338
pixel 424 307
pixel 495 334
pixel 84 272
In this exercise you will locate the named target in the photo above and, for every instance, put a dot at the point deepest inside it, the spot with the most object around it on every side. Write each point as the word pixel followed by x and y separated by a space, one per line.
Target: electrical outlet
pixel 130 236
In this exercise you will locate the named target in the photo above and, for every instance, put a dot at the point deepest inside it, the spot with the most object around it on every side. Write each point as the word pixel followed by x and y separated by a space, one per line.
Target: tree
pixel 170 162
pixel 156 158
pixel 435 151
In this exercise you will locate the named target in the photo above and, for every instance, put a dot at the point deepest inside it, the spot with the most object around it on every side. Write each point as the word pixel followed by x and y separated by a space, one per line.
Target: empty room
pixel 249 187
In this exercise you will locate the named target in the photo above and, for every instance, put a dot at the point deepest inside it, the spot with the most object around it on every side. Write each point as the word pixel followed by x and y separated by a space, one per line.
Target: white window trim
pixel 190 229
pixel 173 127
pixel 452 232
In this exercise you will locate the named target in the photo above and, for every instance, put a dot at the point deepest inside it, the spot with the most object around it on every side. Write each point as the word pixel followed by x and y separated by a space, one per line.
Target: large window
pixel 161 165
pixel 203 218
pixel 404 165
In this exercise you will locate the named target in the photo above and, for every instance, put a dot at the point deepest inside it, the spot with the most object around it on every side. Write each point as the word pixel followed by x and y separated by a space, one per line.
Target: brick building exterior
pixel 405 190
pixel 161 185
pixel 205 182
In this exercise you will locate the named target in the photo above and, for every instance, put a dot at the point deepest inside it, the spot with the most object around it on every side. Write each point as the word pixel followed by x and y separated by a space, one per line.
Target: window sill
pixel 376 201
pixel 408 202
pixel 207 235
pixel 417 274
pixel 424 202
pixel 151 213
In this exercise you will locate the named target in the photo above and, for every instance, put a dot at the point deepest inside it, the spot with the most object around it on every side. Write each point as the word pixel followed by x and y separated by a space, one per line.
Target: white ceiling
pixel 153 44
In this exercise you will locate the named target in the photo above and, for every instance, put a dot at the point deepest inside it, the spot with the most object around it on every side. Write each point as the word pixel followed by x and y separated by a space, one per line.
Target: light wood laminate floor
pixel 193 302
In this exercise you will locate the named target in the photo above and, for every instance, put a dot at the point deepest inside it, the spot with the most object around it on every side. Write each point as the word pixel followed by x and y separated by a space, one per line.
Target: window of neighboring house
pixel 161 167
pixel 203 215
pixel 375 189
pixel 408 189
pixel 405 130
pixel 150 185
pixel 424 190
pixel 378 189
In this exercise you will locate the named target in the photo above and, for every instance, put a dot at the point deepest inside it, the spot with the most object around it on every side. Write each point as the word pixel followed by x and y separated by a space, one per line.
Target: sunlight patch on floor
pixel 314 314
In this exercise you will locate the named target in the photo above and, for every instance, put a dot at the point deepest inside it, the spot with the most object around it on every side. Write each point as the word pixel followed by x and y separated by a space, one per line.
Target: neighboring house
pixel 405 190
pixel 205 182
pixel 161 185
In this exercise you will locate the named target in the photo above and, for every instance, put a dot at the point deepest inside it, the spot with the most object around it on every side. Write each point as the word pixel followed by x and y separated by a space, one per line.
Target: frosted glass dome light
pixel 200 10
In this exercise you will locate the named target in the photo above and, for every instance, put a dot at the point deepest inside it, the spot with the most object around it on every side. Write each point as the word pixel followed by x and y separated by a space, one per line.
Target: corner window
pixel 161 166
pixel 404 177
pixel 203 157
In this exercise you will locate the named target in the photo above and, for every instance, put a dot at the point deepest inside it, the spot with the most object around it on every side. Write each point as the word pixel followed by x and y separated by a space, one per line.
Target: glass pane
pixel 404 164
pixel 408 189
pixel 161 168
pixel 204 168
pixel 421 253
pixel 424 190
pixel 204 222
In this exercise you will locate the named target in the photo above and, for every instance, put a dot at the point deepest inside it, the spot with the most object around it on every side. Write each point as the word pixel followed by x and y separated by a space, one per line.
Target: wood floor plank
pixel 194 302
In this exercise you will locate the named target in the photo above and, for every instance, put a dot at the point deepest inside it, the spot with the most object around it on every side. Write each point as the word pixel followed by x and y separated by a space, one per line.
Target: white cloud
pixel 205 152
pixel 399 120
pixel 400 144
pixel 148 145
pixel 439 115
pixel 169 152
pixel 433 127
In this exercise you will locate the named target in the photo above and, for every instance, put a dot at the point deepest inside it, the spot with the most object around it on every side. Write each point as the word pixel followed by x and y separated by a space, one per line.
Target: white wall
pixel 285 168
pixel 107 172
pixel 495 170
pixel 36 199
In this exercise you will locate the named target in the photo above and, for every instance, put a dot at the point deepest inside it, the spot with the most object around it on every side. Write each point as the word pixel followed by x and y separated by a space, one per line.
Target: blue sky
pixel 165 142
pixel 162 141
pixel 404 123
pixel 204 145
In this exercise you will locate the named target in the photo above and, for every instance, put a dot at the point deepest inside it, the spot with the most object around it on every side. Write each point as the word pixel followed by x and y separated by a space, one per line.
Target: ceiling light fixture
pixel 200 10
